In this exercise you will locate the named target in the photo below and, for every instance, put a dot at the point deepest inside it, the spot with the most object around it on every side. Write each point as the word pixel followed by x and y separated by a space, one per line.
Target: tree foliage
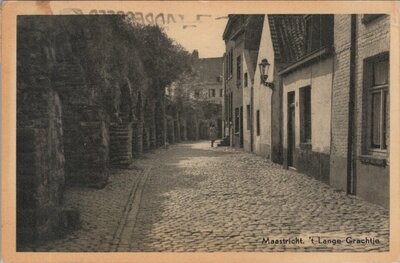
pixel 163 59
pixel 114 50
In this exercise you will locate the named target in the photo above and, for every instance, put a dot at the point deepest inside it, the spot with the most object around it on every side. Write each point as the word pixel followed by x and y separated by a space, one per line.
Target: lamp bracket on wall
pixel 264 67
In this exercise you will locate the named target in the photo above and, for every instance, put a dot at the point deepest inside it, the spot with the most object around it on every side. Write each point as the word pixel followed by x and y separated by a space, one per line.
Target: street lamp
pixel 264 67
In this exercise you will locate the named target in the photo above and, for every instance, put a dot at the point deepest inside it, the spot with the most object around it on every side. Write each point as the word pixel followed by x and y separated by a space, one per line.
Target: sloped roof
pixel 231 19
pixel 250 25
pixel 209 69
pixel 287 33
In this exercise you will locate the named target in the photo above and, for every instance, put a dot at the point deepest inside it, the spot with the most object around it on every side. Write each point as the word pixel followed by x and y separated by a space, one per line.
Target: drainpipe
pixel 351 176
pixel 251 115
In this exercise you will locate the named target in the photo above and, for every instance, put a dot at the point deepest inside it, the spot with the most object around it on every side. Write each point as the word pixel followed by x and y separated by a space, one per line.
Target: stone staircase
pixel 121 143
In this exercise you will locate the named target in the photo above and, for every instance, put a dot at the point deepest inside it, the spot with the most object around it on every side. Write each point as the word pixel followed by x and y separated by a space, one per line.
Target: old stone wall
pixel 40 156
pixel 84 102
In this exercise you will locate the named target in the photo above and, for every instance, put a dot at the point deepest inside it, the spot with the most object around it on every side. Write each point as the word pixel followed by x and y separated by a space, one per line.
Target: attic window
pixel 370 17
pixel 319 31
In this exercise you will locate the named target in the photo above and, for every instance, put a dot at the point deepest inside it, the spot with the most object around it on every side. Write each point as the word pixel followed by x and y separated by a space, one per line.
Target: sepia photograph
pixel 148 130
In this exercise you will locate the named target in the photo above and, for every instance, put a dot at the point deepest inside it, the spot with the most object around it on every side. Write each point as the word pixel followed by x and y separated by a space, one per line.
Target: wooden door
pixel 291 129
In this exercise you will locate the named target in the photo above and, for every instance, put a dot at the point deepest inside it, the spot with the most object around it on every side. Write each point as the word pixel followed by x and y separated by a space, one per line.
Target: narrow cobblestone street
pixel 191 197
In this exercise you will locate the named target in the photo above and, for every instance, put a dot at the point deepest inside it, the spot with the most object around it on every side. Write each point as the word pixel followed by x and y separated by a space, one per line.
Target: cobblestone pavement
pixel 101 213
pixel 195 198
pixel 199 198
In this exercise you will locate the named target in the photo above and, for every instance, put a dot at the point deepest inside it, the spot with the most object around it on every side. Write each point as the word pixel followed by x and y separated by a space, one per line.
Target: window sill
pixel 373 160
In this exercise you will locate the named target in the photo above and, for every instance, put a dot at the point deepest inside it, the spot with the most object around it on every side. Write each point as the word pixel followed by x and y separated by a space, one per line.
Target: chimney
pixel 195 54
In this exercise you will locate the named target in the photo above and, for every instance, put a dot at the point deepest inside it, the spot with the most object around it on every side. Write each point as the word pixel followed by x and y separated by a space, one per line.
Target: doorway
pixel 291 129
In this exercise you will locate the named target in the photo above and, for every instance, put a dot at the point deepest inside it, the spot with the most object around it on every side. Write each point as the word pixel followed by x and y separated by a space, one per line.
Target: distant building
pixel 208 86
pixel 202 89
pixel 209 81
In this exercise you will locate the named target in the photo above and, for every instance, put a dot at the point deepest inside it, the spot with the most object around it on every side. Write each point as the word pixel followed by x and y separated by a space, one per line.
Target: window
pixel 319 31
pixel 211 93
pixel 230 107
pixel 305 114
pixel 370 17
pixel 245 79
pixel 231 63
pixel 221 92
pixel 379 105
pixel 258 123
pixel 239 71
pixel 248 117
pixel 237 120
pixel 226 67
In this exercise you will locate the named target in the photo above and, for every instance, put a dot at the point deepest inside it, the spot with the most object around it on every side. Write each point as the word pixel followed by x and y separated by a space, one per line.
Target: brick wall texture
pixel 371 38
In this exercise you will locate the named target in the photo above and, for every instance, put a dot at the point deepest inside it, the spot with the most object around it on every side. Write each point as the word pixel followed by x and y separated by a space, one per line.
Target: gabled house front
pixel 242 36
pixel 279 46
pixel 307 88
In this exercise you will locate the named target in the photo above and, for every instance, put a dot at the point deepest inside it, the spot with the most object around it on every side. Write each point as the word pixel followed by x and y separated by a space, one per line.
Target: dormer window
pixel 319 32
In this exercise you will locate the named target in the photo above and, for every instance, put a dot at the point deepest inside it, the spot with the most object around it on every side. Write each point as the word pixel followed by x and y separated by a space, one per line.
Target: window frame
pixel 239 71
pixel 237 120
pixel 248 111
pixel 211 93
pixel 318 32
pixel 384 112
pixel 305 133
pixel 230 63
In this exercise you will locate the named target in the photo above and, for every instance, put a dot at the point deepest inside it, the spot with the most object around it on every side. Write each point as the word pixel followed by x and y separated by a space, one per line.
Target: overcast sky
pixel 205 36
pixel 193 29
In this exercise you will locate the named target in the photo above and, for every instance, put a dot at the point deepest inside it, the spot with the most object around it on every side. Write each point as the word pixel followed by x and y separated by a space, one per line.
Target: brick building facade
pixel 242 34
pixel 332 115
pixel 307 84
pixel 267 95
pixel 360 107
